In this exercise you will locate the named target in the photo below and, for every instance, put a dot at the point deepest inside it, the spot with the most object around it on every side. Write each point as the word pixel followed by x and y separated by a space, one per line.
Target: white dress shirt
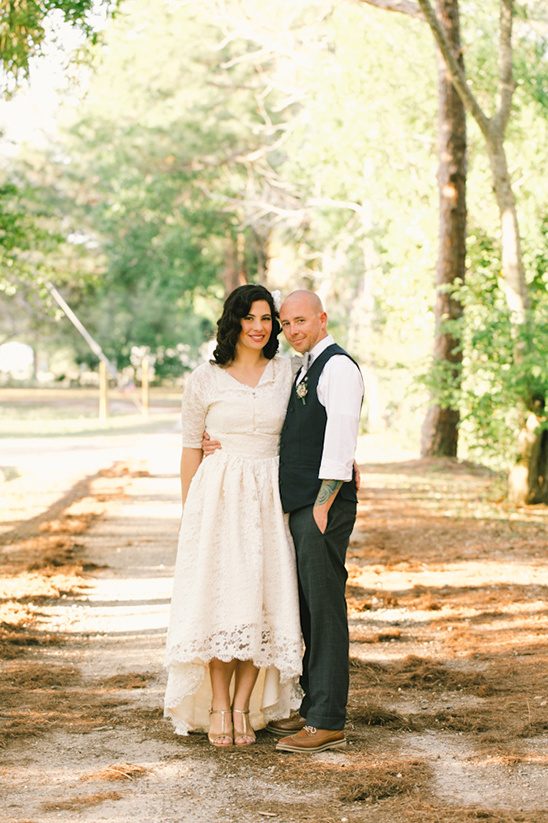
pixel 340 391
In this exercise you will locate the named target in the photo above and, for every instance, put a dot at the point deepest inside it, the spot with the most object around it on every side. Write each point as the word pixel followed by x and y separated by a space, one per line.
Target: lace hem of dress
pixel 266 647
pixel 286 657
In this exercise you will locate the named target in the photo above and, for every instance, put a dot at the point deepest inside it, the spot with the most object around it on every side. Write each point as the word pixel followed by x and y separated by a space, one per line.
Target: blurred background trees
pixel 203 145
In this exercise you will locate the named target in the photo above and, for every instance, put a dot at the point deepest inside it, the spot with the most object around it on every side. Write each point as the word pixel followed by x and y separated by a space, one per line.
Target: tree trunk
pixel 260 244
pixel 537 478
pixel 233 275
pixel 440 428
pixel 513 275
pixel 527 476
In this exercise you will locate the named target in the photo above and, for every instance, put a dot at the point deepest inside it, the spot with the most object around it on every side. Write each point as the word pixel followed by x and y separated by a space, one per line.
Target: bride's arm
pixel 190 460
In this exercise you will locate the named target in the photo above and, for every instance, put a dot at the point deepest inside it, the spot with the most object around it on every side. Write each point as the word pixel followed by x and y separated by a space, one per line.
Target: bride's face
pixel 256 326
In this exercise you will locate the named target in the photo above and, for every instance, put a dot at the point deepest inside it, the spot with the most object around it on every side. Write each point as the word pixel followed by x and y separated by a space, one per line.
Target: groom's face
pixel 302 325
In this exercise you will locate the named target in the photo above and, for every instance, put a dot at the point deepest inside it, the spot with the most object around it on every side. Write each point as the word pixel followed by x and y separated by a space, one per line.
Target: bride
pixel 234 647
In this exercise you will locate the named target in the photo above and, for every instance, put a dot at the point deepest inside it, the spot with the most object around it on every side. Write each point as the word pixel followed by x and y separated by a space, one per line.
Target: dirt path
pixel 448 711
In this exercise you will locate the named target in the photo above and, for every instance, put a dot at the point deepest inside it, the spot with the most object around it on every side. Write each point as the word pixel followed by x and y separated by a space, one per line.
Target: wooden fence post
pixel 145 385
pixel 103 392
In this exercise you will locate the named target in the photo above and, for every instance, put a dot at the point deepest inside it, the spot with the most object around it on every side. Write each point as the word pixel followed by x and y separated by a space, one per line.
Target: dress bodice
pixel 246 420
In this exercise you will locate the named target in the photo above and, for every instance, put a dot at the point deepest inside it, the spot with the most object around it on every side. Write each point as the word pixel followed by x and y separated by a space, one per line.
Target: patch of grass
pixel 419 673
pixel 68 524
pixel 40 676
pixel 70 804
pixel 30 714
pixel 131 680
pixel 379 781
pixel 469 721
pixel 372 714
pixel 427 812
pixel 36 698
pixel 534 728
pixel 369 667
pixel 388 635
pixel 358 635
pixel 118 771
pixel 17 633
pixel 14 639
pixel 424 599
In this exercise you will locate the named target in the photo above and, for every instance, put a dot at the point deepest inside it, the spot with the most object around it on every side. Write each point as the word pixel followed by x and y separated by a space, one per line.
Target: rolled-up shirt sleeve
pixel 340 391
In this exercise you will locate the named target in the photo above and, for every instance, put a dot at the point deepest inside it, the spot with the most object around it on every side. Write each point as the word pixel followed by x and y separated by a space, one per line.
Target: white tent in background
pixel 16 359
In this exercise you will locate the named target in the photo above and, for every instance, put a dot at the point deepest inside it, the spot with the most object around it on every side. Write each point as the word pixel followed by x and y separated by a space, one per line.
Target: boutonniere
pixel 302 390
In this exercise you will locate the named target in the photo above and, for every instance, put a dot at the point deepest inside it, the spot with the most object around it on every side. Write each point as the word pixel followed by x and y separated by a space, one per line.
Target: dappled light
pixel 448 708
pixel 389 155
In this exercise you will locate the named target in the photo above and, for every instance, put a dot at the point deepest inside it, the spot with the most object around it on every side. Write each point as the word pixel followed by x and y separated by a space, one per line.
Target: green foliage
pixel 23 27
pixel 160 212
pixel 13 222
pixel 505 371
pixel 306 139
pixel 25 238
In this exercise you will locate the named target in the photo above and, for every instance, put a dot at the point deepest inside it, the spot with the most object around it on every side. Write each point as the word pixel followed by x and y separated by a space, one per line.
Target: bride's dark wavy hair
pixel 237 306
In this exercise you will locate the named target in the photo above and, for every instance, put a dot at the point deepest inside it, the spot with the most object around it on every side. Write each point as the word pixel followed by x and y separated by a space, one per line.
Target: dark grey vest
pixel 301 441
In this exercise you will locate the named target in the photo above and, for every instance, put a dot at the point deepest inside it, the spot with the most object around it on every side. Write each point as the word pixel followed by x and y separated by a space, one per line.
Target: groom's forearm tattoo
pixel 327 490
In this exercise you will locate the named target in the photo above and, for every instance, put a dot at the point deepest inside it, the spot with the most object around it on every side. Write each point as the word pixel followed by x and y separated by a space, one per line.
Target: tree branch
pixel 404 6
pixel 457 75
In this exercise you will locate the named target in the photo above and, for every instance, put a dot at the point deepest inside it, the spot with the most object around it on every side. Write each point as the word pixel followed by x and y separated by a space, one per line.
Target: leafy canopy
pixel 23 27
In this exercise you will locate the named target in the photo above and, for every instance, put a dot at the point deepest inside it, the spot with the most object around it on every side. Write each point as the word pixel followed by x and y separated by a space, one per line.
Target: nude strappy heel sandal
pixel 225 735
pixel 247 735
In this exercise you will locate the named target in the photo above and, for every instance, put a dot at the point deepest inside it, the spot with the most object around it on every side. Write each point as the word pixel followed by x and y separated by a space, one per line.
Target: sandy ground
pixel 448 710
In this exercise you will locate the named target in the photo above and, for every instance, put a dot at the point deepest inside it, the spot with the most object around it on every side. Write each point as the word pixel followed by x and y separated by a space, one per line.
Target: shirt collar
pixel 320 347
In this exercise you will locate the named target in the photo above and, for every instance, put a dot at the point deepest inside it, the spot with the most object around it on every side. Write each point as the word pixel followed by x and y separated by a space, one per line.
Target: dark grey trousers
pixel 324 622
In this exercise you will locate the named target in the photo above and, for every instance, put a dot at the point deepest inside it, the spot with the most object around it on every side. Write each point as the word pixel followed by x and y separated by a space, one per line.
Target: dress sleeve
pixel 194 408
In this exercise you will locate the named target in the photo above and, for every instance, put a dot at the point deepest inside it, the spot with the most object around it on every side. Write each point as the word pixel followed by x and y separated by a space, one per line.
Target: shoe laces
pixel 310 729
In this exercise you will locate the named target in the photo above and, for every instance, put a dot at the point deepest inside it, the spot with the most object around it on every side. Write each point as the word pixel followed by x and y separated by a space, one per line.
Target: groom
pixel 317 488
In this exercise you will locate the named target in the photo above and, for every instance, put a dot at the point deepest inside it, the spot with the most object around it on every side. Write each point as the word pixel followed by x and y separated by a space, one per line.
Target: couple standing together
pixel 251 585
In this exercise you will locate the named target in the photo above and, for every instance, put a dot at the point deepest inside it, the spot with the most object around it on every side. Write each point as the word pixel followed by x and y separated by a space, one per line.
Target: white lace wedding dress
pixel 235 586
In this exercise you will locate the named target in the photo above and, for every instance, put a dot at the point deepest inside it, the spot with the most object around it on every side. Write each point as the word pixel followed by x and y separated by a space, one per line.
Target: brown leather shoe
pixel 310 740
pixel 289 725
